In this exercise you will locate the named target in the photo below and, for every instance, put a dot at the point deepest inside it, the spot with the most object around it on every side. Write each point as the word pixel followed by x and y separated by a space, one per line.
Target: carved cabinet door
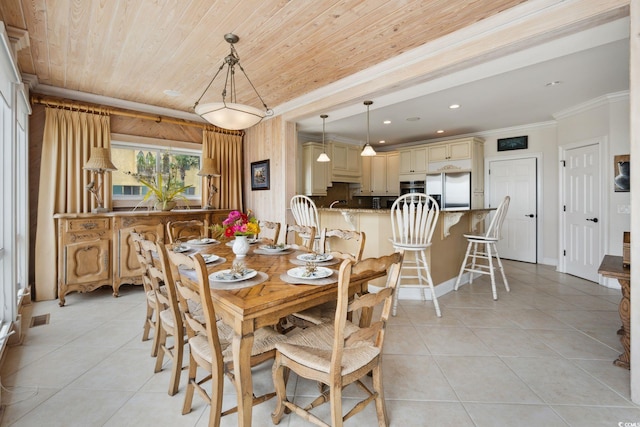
pixel 87 261
pixel 127 261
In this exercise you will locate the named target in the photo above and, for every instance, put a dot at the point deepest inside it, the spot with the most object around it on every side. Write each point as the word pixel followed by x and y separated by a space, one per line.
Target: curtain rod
pixel 49 102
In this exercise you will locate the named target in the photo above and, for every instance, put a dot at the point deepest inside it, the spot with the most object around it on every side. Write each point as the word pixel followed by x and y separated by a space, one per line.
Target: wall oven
pixel 407 187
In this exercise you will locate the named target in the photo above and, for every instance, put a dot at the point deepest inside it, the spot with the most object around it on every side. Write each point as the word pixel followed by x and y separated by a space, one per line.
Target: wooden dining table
pixel 249 308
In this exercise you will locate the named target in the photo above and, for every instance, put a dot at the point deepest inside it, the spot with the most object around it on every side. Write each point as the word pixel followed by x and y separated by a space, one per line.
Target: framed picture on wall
pixel 622 178
pixel 260 175
pixel 514 143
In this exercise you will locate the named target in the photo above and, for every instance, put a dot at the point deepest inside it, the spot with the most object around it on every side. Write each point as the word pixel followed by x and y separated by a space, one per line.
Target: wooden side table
pixel 611 266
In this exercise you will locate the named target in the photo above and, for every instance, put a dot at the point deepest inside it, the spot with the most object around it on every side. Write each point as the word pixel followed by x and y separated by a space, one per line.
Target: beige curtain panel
pixel 66 148
pixel 226 150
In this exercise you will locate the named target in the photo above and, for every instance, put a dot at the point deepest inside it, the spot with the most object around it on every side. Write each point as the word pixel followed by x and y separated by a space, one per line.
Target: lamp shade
pixel 100 160
pixel 229 115
pixel 368 151
pixel 208 168
pixel 323 158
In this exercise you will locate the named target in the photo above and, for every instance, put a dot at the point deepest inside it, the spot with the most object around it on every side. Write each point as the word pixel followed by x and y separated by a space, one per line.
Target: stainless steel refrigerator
pixel 451 189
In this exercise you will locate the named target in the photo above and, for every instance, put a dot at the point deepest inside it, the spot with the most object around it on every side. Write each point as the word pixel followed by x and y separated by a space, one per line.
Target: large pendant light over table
pixel 368 150
pixel 231 115
pixel 323 158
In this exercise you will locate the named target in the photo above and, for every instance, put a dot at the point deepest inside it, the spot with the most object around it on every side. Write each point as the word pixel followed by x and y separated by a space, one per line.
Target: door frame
pixel 539 199
pixel 603 214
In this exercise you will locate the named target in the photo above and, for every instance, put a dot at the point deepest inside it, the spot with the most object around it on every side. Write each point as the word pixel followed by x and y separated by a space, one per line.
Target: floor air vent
pixel 42 319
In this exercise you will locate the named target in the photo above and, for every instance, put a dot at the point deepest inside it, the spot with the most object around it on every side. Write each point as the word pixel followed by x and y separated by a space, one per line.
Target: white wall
pixel 607 116
pixel 604 117
pixel 542 142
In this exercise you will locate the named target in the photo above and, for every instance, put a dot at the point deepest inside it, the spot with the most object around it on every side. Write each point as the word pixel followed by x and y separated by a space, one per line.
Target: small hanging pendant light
pixel 368 150
pixel 323 158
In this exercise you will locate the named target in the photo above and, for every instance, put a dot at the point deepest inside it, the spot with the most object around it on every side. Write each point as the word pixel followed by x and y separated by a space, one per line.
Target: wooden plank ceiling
pixel 134 50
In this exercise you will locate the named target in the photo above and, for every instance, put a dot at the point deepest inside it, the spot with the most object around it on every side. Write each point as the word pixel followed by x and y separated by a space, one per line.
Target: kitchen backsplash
pixel 344 191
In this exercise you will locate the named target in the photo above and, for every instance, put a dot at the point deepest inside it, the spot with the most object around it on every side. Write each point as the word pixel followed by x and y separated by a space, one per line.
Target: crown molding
pixel 114 102
pixel 593 103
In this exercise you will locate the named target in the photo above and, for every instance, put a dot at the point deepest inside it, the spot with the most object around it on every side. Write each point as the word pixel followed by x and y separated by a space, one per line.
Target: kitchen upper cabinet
pixel 365 183
pixel 412 163
pixel 458 154
pixel 384 174
pixel 346 163
pixel 315 179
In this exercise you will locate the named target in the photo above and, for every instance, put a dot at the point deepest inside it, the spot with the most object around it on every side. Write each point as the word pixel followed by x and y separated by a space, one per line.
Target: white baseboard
pixel 414 292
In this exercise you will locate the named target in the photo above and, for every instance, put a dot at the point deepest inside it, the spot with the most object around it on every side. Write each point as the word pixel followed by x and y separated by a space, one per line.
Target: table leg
pixel 624 309
pixel 241 346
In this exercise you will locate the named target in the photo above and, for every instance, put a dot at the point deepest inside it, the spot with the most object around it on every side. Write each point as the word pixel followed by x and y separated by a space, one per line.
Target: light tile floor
pixel 540 355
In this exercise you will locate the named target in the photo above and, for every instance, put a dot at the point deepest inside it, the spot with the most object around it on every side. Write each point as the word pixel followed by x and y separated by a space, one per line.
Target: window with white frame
pixel 137 162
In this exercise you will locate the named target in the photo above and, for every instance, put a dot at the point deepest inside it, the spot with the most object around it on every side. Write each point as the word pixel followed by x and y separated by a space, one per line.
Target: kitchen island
pixel 448 244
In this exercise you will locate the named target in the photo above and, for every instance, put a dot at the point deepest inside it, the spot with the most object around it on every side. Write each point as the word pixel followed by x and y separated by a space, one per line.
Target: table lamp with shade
pixel 209 170
pixel 99 163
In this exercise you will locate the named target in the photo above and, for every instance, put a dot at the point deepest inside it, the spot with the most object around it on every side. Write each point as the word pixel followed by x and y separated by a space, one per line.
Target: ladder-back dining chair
pixel 272 236
pixel 185 230
pixel 481 247
pixel 413 220
pixel 340 353
pixel 210 339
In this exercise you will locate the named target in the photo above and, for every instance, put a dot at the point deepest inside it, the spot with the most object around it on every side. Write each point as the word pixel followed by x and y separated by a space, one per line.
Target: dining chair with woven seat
pixel 481 247
pixel 152 284
pixel 326 312
pixel 340 353
pixel 306 233
pixel 305 213
pixel 185 230
pixel 171 324
pixel 272 236
pixel 210 339
pixel 413 220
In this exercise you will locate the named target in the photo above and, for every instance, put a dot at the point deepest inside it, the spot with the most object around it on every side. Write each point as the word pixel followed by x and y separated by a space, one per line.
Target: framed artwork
pixel 515 143
pixel 622 178
pixel 260 178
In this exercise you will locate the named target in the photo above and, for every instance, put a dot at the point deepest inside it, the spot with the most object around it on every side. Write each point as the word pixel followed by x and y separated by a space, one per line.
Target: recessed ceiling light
pixel 439 131
pixel 171 92
pixel 454 106
pixel 386 122
pixel 553 83
pixel 413 119
pixel 382 141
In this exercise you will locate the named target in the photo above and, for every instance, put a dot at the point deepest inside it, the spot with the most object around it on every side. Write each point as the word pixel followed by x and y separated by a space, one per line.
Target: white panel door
pixel 517 179
pixel 582 212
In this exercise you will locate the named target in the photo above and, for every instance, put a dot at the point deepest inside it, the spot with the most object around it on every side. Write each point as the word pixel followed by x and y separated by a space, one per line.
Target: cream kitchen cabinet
pixel 346 162
pixel 458 154
pixel 315 175
pixel 412 163
pixel 384 174
pixel 365 183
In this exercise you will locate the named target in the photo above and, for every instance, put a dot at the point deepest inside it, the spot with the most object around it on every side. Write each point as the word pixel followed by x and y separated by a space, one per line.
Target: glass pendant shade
pixel 229 115
pixel 323 158
pixel 367 150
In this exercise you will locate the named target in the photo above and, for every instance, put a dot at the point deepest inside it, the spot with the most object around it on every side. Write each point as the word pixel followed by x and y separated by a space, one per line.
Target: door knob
pixel 530 215
pixel 592 219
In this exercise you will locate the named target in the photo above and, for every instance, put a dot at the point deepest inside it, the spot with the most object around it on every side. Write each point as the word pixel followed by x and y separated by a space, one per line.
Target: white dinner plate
pixel 301 273
pixel 209 258
pixel 227 277
pixel 315 257
pixel 180 249
pixel 201 242
pixel 266 248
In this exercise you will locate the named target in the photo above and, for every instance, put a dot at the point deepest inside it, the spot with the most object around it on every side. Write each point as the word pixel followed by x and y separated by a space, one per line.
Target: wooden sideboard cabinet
pixel 84 254
pixel 96 249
